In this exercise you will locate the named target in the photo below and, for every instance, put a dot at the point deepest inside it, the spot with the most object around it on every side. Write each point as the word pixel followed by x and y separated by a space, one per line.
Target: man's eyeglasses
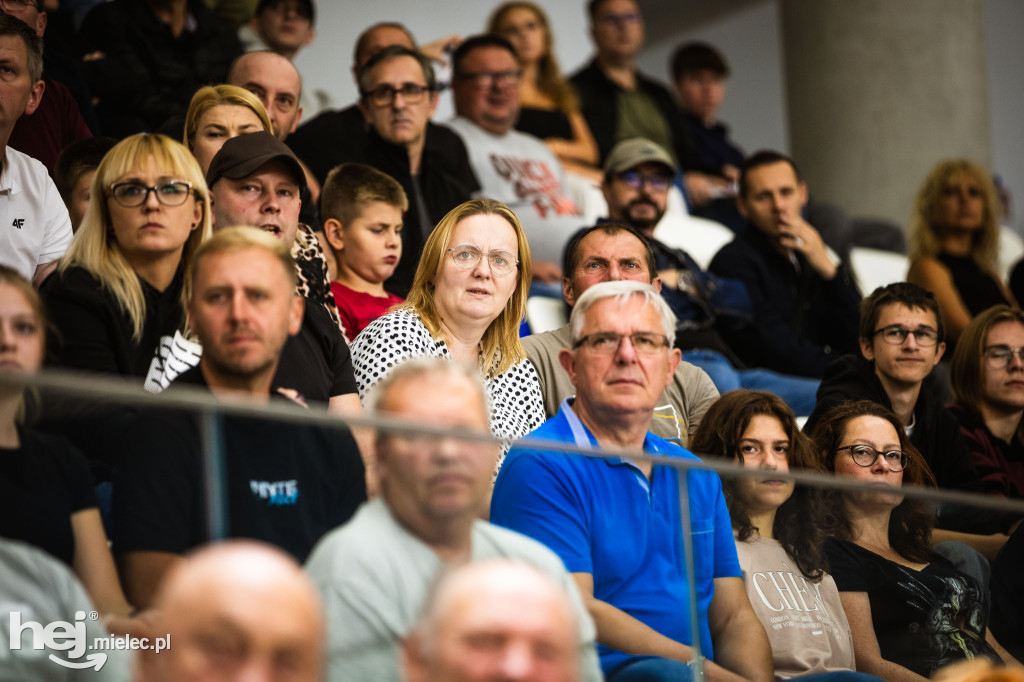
pixel 636 180
pixel 606 343
pixel 865 456
pixel 466 256
pixel 998 357
pixel 384 95
pixel 488 79
pixel 19 6
pixel 134 194
pixel 896 335
pixel 623 19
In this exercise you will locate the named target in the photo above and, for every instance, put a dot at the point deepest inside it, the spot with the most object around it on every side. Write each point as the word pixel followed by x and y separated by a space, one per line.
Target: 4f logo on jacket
pixel 18 222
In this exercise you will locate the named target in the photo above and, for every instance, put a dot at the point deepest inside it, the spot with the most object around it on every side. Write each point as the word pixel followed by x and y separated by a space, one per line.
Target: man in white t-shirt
pixel 34 226
pixel 512 167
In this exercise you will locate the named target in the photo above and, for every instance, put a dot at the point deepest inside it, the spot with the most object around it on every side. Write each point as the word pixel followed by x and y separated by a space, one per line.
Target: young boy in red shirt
pixel 362 212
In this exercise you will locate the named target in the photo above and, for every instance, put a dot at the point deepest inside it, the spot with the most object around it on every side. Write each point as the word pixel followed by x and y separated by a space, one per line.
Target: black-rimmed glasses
pixel 135 194
pixel 896 335
pixel 384 95
pixel 488 79
pixel 865 456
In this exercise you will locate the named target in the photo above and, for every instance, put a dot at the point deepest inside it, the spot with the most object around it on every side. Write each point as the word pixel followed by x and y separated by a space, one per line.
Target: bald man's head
pixel 495 620
pixel 276 82
pixel 237 610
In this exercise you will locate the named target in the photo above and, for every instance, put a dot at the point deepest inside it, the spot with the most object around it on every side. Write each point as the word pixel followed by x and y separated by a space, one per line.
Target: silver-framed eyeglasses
pixel 135 194
pixel 896 335
pixel 384 95
pixel 466 256
pixel 637 180
pixel 998 357
pixel 865 456
pixel 606 343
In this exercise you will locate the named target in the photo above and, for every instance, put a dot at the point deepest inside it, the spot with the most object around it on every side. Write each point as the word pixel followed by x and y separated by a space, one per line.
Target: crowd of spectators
pixel 368 260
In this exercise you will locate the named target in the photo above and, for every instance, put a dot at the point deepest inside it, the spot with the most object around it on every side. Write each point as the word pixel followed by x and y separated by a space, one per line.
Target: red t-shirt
pixel 358 309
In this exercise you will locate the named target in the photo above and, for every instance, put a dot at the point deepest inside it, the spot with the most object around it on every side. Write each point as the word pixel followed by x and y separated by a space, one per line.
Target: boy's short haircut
pixel 350 187
pixel 697 56
pixel 77 159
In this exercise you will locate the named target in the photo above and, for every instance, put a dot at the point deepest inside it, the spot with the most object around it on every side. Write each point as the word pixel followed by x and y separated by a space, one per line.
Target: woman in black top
pixel 910 610
pixel 954 242
pixel 549 107
pixel 46 494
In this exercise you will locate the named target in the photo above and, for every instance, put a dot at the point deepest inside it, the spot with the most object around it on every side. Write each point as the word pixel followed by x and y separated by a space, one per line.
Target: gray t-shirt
pixel 374 577
pixel 35 588
pixel 520 171
pixel 677 414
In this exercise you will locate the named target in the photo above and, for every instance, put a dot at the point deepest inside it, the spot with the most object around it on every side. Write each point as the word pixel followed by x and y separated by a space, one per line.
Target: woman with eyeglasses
pixel 549 108
pixel 779 547
pixel 116 299
pixel 954 243
pixel 910 610
pixel 467 299
pixel 987 375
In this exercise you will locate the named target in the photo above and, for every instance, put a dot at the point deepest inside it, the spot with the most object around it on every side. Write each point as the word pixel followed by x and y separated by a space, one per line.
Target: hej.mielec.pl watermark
pixel 72 639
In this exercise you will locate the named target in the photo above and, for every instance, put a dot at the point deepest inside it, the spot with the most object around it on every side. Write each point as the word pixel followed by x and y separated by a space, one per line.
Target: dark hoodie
pixel 936 434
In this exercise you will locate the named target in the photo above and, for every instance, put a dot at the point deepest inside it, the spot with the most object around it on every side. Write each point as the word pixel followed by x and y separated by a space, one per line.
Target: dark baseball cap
pixel 243 155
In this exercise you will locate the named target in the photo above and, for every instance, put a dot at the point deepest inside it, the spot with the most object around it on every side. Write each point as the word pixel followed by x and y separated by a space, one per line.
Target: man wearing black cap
pixel 255 181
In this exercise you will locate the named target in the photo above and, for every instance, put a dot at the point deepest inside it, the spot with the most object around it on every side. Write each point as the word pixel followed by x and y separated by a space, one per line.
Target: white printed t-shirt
pixel 34 225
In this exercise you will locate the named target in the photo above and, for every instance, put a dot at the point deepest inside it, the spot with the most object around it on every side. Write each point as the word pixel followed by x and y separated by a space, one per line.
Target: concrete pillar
pixel 878 91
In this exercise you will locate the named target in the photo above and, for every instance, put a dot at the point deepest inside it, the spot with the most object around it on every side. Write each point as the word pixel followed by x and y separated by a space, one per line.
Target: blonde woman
pixel 467 299
pixel 954 240
pixel 116 299
pixel 218 113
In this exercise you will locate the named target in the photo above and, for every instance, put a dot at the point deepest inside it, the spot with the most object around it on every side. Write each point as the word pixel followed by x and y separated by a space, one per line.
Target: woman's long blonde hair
pixel 94 246
pixel 926 233
pixel 210 96
pixel 500 345
pixel 550 79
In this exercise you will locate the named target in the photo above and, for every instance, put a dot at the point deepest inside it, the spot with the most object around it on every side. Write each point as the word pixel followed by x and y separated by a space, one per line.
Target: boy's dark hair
pixel 307 9
pixel 351 186
pixel 765 157
pixel 77 159
pixel 902 293
pixel 477 42
pixel 697 56
pixel 9 26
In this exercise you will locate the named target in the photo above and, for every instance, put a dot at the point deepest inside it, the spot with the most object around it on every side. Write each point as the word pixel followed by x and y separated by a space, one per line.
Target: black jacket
pixel 599 103
pixel 801 322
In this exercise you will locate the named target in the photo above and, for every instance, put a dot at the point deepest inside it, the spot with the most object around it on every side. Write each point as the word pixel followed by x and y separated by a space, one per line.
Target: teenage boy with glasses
pixel 901 341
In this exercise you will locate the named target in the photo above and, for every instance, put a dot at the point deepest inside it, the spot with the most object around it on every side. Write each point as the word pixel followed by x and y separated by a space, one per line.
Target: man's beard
pixel 643 223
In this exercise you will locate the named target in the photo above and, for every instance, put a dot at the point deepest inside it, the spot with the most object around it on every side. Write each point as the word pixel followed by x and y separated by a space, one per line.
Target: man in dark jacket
pixel 804 302
pixel 901 334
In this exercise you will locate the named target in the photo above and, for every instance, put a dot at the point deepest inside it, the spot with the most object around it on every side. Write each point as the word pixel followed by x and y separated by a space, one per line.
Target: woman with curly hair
pixel 550 109
pixel 954 240
pixel 910 610
pixel 779 548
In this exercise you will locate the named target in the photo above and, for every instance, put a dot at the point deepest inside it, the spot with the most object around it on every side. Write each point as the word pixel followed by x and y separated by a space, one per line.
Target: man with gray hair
pixel 375 572
pixel 616 522
pixel 526 617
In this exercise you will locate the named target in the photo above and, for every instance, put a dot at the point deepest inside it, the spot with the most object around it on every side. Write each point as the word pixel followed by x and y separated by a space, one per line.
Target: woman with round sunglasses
pixel 987 376
pixel 779 548
pixel 116 299
pixel 467 299
pixel 910 610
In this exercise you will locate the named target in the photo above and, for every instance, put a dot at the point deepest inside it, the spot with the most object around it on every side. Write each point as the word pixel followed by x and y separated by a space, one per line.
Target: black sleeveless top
pixel 545 123
pixel 978 289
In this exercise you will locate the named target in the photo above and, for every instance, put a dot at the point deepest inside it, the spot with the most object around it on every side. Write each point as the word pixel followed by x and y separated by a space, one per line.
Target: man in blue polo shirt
pixel 615 523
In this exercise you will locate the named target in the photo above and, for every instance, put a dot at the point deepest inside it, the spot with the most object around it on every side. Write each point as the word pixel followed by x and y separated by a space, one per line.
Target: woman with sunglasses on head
pixel 910 610
pixel 467 299
pixel 987 377
pixel 116 298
